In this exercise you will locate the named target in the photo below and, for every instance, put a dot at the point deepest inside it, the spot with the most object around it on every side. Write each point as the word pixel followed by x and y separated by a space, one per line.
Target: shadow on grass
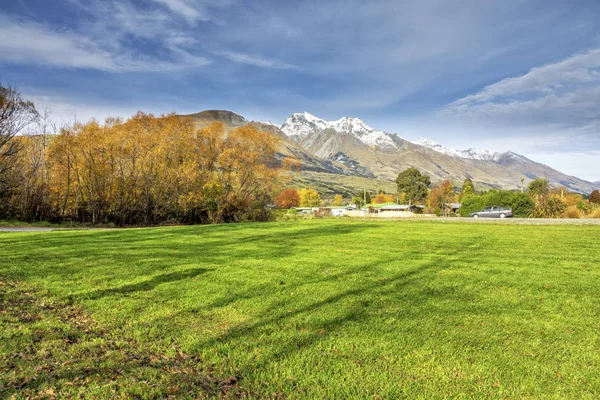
pixel 59 255
pixel 147 285
pixel 139 252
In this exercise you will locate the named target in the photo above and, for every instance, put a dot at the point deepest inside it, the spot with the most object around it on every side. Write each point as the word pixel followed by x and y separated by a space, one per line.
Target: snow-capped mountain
pixel 475 154
pixel 348 146
pixel 271 123
pixel 300 125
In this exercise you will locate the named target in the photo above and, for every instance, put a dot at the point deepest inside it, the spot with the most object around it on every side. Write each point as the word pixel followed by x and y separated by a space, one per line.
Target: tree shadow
pixel 147 285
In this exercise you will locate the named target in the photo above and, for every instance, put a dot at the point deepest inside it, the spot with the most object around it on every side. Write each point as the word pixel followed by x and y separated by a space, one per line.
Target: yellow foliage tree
pixel 309 198
pixel 150 169
pixel 382 198
pixel 338 200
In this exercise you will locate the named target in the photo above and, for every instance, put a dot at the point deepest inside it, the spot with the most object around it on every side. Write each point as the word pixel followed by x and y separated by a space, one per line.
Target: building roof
pixel 396 207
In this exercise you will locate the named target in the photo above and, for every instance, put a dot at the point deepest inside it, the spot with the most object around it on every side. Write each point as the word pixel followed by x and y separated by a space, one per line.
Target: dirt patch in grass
pixel 54 349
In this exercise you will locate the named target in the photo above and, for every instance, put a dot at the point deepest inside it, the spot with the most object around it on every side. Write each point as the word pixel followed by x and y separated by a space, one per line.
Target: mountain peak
pixel 225 116
pixel 299 126
pixel 474 154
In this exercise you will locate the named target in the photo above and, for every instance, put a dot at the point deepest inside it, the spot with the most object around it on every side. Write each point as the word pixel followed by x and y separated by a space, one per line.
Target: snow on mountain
pixel 474 154
pixel 298 126
pixel 271 124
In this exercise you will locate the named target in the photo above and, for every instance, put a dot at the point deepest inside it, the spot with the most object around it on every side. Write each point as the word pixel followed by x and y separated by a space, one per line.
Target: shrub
pixel 470 204
pixel 550 208
pixel 521 204
pixel 595 213
pixel 572 212
pixel 584 207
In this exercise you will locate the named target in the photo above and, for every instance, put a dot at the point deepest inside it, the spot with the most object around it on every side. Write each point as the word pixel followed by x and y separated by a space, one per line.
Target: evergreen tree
pixel 467 188
pixel 359 199
pixel 413 184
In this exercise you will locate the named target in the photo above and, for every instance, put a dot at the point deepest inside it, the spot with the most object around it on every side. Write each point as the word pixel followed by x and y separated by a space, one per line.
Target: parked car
pixel 493 212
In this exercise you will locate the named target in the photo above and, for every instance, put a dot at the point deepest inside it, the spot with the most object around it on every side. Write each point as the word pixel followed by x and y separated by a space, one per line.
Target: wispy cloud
pixel 254 60
pixel 550 113
pixel 101 46
pixel 194 11
pixel 186 9
pixel 564 94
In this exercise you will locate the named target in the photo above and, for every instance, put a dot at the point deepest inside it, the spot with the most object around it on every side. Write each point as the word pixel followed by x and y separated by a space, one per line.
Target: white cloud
pixel 183 8
pixel 64 110
pixel 100 48
pixel 566 92
pixel 195 10
pixel 253 60
pixel 550 114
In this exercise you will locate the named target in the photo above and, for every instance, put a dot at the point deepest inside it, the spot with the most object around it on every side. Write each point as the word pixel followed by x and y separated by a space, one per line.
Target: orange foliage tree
pixel 147 170
pixel 382 198
pixel 440 195
pixel 288 198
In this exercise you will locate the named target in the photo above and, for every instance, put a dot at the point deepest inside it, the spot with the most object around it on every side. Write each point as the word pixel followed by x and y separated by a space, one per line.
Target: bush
pixel 551 208
pixel 521 205
pixel 519 202
pixel 584 207
pixel 573 212
pixel 595 213
pixel 470 204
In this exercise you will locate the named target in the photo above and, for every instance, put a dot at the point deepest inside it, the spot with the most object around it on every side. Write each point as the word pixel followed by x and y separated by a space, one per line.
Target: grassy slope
pixel 329 185
pixel 320 308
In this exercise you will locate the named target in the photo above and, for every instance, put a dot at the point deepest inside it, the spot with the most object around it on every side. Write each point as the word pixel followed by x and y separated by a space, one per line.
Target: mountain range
pixel 350 147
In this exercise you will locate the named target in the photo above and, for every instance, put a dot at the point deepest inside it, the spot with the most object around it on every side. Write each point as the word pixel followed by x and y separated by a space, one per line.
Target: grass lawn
pixel 305 309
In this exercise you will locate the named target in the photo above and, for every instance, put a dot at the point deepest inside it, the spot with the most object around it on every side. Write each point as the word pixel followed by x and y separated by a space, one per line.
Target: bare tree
pixel 16 114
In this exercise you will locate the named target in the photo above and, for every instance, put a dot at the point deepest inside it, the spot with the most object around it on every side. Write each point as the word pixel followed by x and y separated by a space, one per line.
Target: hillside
pixel 355 144
pixel 287 147
pixel 346 154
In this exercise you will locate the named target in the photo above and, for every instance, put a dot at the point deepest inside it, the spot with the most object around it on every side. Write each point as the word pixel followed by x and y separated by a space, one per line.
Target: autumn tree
pixel 467 188
pixel 16 113
pixel 383 198
pixel 441 195
pixel 413 184
pixel 309 198
pixel 338 200
pixel 288 198
pixel 595 197
pixel 150 169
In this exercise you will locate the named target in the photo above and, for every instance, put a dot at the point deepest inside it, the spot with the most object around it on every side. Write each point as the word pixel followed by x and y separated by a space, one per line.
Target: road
pixel 524 221
pixel 27 229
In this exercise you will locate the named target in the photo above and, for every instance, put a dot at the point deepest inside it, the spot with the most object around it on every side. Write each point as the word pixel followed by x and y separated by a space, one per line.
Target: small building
pixel 454 207
pixel 334 211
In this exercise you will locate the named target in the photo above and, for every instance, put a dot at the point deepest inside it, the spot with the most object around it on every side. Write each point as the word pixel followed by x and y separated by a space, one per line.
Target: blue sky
pixel 515 74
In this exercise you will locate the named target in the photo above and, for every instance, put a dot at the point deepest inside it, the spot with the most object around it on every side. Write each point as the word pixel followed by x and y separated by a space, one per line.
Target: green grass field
pixel 305 309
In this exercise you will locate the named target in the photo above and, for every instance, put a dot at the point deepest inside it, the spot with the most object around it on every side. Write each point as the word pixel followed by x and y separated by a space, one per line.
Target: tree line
pixel 414 188
pixel 141 171
pixel 150 170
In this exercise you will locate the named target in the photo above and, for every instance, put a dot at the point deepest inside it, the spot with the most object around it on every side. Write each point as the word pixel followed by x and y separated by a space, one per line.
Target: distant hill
pixel 343 155
pixel 287 147
pixel 352 142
